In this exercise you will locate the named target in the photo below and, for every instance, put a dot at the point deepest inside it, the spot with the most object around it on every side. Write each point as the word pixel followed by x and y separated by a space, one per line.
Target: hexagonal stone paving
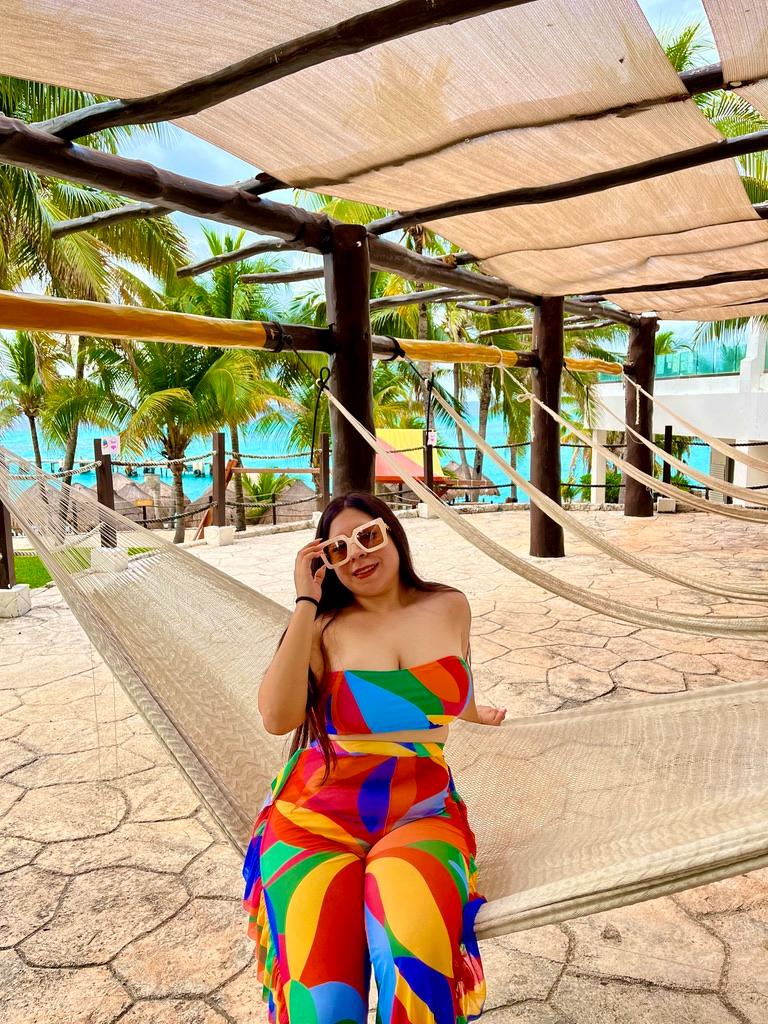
pixel 120 899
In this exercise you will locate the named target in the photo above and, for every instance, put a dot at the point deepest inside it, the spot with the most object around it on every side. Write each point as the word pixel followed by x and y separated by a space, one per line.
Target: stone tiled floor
pixel 120 899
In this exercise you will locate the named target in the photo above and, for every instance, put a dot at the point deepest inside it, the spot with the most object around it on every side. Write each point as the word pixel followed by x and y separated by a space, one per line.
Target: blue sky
pixel 183 153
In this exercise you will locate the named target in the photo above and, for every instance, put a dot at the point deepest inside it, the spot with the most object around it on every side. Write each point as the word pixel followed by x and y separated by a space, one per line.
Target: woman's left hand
pixel 490 716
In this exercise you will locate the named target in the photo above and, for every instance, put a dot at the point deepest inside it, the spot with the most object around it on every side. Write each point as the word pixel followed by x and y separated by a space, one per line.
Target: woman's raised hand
pixel 308 584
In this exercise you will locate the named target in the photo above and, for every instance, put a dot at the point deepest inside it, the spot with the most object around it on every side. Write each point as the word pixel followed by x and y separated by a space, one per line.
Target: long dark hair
pixel 335 596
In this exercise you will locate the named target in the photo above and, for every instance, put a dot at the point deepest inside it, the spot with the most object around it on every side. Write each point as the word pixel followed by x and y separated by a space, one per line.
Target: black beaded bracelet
pixel 314 600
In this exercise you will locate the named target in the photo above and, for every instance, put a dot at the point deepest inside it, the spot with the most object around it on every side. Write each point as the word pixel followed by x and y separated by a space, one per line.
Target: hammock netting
pixel 575 812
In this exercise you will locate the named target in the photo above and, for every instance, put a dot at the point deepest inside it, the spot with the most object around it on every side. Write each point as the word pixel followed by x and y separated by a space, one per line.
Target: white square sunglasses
pixel 369 536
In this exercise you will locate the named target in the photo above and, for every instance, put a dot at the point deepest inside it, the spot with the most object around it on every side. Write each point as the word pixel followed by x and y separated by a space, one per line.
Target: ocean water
pixel 17 439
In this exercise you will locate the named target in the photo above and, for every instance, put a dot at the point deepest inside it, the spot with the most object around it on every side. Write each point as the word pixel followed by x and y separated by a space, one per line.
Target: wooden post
pixel 638 411
pixel 274 509
pixel 729 467
pixel 219 510
pixel 324 490
pixel 428 473
pixel 546 535
pixel 666 472
pixel 7 569
pixel 347 289
pixel 105 492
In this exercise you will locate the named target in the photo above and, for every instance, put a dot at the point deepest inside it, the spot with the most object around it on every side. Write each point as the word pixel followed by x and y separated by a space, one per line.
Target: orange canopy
pixel 396 439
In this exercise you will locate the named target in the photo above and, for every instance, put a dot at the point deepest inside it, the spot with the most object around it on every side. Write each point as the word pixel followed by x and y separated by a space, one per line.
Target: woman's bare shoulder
pixel 454 600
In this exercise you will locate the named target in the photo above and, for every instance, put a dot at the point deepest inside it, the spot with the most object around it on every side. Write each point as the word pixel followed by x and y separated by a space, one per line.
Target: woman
pixel 362 856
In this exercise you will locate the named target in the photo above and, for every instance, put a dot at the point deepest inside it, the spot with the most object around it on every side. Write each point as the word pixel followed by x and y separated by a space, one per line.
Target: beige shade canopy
pixel 405 124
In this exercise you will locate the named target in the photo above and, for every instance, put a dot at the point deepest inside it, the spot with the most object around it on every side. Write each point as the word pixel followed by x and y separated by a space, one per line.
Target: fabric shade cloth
pixel 403 124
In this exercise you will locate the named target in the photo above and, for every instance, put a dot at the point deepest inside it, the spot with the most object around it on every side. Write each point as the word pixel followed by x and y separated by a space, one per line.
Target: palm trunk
pixel 35 441
pixel 178 500
pixel 69 454
pixel 238 481
pixel 459 432
pixel 485 403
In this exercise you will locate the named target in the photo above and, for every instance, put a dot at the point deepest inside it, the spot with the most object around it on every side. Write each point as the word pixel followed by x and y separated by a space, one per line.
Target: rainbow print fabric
pixel 421 697
pixel 370 873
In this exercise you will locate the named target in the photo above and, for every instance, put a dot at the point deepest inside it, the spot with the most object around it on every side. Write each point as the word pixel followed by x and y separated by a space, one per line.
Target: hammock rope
pixel 723 447
pixel 743 627
pixel 684 497
pixel 575 812
pixel 722 486
pixel 572 523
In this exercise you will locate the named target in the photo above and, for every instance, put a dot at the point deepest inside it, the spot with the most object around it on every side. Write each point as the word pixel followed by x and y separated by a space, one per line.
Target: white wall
pixel 732 407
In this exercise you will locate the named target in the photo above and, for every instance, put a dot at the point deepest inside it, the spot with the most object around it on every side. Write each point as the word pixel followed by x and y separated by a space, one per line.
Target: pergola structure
pixel 550 139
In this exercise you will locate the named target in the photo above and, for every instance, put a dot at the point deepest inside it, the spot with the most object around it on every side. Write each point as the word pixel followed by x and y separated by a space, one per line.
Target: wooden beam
pixel 257 186
pixel 705 79
pixel 459 259
pixel 451 352
pixel 430 295
pixel 641 360
pixel 388 255
pixel 108 320
pixel 103 218
pixel 546 535
pixel 528 328
pixel 347 277
pixel 708 281
pixel 134 323
pixel 499 307
pixel 237 255
pixel 25 146
pixel 698 156
pixel 594 309
pixel 283 276
pixel 354 35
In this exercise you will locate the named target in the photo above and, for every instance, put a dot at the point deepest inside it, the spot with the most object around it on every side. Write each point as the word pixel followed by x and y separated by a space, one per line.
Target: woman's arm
pixel 282 698
pixel 483 715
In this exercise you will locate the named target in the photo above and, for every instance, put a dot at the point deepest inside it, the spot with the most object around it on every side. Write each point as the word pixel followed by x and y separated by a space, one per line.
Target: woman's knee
pixel 417 893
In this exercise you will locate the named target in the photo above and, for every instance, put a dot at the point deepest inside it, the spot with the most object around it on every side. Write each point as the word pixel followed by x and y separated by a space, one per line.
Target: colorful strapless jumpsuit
pixel 372 869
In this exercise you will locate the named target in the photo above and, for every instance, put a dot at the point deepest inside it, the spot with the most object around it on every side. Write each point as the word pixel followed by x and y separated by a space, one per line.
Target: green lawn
pixel 29 569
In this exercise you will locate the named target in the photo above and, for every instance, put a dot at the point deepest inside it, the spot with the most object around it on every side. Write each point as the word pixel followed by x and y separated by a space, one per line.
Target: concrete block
pixel 315 517
pixel 109 559
pixel 424 512
pixel 664 504
pixel 219 536
pixel 15 602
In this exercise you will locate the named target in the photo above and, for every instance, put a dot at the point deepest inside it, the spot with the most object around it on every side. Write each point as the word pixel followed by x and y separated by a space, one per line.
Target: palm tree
pixel 222 294
pixel 104 266
pixel 182 393
pixel 28 360
pixel 261 491
pixel 732 115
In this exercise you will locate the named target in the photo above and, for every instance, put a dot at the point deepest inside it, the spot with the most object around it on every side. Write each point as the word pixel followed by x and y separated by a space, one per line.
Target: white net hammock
pixel 575 812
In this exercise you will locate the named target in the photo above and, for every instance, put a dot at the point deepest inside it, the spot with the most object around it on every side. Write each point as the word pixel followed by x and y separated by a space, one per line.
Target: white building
pixel 730 406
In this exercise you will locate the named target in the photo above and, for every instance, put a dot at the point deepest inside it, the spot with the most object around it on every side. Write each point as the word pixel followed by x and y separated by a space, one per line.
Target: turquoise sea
pixel 17 439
